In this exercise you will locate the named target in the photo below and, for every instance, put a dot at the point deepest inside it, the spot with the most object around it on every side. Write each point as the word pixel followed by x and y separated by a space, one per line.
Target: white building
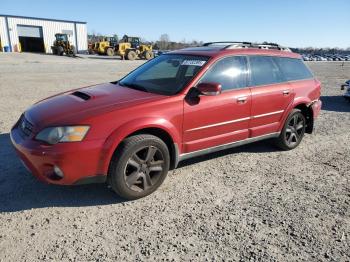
pixel 31 34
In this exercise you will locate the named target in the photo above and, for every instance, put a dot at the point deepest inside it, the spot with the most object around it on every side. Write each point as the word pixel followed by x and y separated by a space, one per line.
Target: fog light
pixel 58 171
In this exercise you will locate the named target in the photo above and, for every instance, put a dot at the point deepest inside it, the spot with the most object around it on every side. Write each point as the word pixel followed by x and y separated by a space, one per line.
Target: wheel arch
pixel 305 105
pixel 165 131
pixel 130 49
pixel 307 111
pixel 166 138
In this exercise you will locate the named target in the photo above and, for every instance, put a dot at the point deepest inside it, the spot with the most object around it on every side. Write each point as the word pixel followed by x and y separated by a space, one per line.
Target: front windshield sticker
pixel 193 62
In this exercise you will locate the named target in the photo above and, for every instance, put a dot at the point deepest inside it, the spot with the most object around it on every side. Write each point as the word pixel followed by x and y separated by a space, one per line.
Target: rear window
pixel 264 71
pixel 293 69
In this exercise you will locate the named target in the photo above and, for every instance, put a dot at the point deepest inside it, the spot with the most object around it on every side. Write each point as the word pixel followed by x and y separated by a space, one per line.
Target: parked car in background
pixel 155 52
pixel 327 57
pixel 179 105
pixel 306 58
pixel 346 87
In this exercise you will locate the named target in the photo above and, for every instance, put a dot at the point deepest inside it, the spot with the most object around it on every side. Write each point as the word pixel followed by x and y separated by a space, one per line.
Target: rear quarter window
pixel 293 69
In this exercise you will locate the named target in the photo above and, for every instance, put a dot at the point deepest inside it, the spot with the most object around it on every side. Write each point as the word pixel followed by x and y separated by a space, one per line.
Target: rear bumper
pixel 78 161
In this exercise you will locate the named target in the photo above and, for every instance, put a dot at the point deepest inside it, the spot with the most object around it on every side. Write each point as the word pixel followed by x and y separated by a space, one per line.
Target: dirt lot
pixel 248 203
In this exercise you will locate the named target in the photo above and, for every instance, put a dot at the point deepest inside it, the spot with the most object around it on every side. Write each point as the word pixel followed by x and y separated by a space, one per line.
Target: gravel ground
pixel 249 203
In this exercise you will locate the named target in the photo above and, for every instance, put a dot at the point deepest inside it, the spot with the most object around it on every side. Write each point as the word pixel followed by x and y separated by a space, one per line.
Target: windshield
pixel 61 37
pixel 166 74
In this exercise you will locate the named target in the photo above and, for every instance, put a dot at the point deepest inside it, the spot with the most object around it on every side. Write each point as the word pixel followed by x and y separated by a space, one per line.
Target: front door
pixel 211 121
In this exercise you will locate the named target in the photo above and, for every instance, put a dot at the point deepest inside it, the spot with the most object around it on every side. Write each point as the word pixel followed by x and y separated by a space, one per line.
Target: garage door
pixel 31 38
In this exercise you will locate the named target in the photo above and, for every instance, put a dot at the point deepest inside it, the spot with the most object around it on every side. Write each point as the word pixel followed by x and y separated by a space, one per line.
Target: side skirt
pixel 226 146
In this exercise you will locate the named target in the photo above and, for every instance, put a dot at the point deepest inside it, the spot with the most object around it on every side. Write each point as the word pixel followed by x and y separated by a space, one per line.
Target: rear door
pixel 211 121
pixel 271 95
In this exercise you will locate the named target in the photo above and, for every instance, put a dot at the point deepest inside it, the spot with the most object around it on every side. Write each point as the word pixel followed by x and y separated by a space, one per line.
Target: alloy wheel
pixel 144 168
pixel 295 130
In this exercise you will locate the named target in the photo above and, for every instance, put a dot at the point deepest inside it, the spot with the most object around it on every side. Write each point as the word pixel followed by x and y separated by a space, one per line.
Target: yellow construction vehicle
pixel 63 46
pixel 131 48
pixel 106 46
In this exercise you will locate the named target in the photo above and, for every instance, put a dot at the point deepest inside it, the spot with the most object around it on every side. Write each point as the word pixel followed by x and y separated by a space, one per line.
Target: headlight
pixel 54 135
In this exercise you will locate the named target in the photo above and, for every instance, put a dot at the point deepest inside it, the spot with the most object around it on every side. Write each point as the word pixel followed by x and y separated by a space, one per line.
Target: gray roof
pixel 43 19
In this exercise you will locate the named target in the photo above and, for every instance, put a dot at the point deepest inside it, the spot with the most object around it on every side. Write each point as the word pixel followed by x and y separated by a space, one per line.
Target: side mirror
pixel 209 89
pixel 347 84
pixel 343 86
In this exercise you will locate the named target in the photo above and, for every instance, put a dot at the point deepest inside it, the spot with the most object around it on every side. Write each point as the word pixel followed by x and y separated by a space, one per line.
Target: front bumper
pixel 316 108
pixel 78 161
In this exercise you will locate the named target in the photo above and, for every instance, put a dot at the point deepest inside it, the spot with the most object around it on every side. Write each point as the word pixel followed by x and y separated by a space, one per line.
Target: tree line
pixel 164 43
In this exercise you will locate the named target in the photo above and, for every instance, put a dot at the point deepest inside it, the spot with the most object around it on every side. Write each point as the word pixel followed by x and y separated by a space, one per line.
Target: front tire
pixel 131 55
pixel 293 131
pixel 148 55
pixel 60 51
pixel 110 51
pixel 139 166
pixel 54 50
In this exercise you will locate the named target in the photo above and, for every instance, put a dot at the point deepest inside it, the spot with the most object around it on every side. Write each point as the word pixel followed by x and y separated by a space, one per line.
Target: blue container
pixel 6 49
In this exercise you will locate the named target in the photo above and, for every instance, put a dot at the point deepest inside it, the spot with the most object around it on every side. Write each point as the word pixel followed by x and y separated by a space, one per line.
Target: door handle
pixel 242 99
pixel 286 92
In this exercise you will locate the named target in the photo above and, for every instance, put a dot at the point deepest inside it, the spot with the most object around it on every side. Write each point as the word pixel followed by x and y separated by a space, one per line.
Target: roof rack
pixel 236 44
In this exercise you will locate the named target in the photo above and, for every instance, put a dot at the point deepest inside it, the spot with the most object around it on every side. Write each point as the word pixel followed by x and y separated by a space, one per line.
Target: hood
pixel 79 104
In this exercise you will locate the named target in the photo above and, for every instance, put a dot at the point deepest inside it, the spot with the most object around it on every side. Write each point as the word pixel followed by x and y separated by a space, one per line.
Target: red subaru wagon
pixel 182 104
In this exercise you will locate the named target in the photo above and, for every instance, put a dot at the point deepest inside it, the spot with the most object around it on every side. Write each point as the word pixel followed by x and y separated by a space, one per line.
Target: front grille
pixel 25 126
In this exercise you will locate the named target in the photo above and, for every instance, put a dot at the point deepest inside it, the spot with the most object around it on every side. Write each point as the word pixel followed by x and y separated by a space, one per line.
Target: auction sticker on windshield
pixel 193 62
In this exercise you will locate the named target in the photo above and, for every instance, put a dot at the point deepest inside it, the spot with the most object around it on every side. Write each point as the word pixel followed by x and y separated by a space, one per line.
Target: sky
pixel 298 23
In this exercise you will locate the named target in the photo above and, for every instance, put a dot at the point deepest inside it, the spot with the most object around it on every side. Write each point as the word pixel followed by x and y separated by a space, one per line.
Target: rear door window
pixel 230 72
pixel 264 71
pixel 293 69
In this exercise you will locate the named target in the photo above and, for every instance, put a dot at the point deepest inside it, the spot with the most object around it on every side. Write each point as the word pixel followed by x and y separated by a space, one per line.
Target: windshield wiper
pixel 133 86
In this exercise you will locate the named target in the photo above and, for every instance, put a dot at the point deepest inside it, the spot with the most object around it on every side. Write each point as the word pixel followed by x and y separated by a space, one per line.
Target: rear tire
pixel 131 55
pixel 293 131
pixel 139 166
pixel 73 50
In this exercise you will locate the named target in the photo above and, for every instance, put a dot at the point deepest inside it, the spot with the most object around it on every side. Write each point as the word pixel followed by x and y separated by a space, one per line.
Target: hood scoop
pixel 81 95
